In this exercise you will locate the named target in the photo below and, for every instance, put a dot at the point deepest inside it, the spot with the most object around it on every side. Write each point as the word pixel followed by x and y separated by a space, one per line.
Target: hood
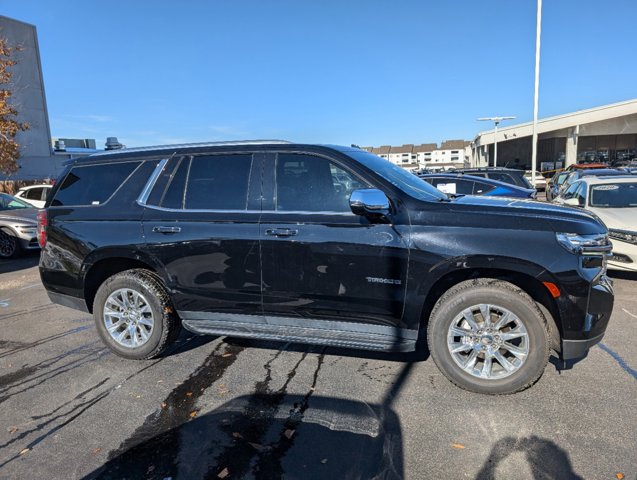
pixel 21 215
pixel 619 218
pixel 523 214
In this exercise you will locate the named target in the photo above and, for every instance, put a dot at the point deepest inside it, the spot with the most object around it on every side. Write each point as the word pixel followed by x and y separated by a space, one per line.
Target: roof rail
pixel 191 145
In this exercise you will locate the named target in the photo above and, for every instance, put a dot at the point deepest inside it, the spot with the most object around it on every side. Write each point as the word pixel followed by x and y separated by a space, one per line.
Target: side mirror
pixel 369 202
pixel 573 202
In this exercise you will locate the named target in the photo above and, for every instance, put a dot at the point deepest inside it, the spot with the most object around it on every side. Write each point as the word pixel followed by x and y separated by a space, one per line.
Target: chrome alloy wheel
pixel 488 341
pixel 8 244
pixel 128 318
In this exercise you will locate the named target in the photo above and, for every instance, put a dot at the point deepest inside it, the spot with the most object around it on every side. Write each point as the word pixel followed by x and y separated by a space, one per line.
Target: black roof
pixel 123 154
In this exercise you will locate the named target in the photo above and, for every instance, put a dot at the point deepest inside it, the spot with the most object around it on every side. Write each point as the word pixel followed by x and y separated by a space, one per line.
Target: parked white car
pixel 540 180
pixel 614 200
pixel 34 194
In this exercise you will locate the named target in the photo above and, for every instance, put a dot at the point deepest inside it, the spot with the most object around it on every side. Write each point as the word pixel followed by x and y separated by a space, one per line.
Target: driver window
pixel 313 184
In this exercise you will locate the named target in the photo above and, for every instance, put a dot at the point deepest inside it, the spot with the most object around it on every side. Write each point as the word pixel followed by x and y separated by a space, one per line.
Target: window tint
pixel 501 177
pixel 218 182
pixel 570 191
pixel 454 186
pixel 580 194
pixel 480 188
pixel 92 185
pixel 173 197
pixel 313 184
pixel 34 194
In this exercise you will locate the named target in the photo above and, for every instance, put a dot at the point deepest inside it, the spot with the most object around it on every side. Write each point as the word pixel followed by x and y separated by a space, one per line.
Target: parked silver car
pixel 18 226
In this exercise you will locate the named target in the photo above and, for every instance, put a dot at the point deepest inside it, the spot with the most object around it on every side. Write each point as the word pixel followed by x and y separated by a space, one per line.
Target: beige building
pixel 607 133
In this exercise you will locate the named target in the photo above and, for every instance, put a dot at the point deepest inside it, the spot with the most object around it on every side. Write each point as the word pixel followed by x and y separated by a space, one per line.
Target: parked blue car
pixel 461 184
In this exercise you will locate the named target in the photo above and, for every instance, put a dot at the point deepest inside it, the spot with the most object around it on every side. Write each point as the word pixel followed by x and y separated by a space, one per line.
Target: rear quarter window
pixel 92 184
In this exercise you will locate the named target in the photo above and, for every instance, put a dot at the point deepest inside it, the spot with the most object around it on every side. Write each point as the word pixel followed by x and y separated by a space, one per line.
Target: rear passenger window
pixel 93 184
pixel 502 177
pixel 218 182
pixel 480 188
pixel 34 194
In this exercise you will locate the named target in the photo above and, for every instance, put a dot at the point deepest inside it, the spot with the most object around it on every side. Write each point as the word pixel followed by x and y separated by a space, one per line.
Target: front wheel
pixel 488 336
pixel 9 244
pixel 134 316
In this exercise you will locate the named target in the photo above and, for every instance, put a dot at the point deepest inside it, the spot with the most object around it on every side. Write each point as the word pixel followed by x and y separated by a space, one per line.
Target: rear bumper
pixel 68 301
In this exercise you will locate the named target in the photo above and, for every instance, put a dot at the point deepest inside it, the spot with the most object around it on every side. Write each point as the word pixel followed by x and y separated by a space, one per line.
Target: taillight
pixel 43 221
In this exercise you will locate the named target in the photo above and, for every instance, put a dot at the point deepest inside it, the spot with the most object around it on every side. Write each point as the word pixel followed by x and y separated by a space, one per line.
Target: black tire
pixel 496 293
pixel 166 327
pixel 10 246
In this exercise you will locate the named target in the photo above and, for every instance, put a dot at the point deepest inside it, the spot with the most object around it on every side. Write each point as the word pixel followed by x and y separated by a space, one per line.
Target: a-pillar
pixel 571 146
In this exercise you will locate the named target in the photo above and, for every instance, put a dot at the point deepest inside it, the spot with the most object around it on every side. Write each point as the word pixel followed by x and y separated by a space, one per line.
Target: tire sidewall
pixel 133 283
pixel 16 244
pixel 522 307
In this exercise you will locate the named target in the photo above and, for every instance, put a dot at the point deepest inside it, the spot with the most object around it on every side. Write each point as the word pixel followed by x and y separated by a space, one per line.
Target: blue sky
pixel 366 72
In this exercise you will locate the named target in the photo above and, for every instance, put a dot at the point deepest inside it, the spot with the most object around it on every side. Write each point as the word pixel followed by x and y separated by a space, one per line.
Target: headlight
pixel 623 235
pixel 28 230
pixel 597 244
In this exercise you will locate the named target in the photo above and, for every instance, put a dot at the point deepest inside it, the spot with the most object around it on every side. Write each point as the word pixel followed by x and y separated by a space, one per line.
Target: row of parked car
pixel 18 219
pixel 611 194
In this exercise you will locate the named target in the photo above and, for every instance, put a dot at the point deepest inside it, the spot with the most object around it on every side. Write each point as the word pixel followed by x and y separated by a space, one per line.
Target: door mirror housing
pixel 573 202
pixel 369 202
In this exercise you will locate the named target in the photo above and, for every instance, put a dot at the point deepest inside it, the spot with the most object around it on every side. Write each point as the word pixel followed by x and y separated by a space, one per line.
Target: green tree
pixel 9 125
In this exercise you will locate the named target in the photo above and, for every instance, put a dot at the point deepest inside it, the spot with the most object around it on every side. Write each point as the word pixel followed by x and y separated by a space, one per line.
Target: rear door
pixel 201 224
pixel 320 260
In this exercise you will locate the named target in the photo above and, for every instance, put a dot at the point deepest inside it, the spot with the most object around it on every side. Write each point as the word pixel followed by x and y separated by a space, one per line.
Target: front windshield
pixel 399 177
pixel 613 195
pixel 7 202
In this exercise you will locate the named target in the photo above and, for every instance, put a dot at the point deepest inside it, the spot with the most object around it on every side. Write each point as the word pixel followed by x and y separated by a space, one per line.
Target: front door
pixel 319 260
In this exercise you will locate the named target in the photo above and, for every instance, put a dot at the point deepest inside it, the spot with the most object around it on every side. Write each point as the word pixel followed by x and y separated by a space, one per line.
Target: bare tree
pixel 9 125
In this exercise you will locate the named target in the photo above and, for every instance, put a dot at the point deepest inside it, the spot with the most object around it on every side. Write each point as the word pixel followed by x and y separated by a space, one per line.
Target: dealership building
pixel 606 133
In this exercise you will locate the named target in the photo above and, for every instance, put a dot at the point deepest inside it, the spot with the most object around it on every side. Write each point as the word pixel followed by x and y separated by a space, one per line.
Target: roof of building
pixel 425 147
pixel 452 145
pixel 408 148
pixel 384 149
pixel 549 124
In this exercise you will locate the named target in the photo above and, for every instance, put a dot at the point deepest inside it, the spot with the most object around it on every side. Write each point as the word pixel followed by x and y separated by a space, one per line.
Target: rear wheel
pixel 9 244
pixel 134 315
pixel 488 336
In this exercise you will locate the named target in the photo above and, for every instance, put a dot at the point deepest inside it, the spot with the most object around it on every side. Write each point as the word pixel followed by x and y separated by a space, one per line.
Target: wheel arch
pixel 103 264
pixel 530 279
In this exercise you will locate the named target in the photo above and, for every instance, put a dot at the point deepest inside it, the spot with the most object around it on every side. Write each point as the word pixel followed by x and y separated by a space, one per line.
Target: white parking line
pixel 631 314
pixel 4 303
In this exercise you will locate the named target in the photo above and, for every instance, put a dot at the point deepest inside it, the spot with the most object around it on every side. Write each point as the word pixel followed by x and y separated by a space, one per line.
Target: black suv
pixel 326 245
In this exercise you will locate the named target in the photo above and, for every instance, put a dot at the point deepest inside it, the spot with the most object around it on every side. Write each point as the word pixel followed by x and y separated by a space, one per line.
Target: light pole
pixel 496 121
pixel 538 31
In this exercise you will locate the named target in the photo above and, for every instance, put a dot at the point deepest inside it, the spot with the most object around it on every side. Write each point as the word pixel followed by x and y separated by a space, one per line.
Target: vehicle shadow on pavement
pixel 622 275
pixel 268 434
pixel 28 260
pixel 265 436
pixel 544 458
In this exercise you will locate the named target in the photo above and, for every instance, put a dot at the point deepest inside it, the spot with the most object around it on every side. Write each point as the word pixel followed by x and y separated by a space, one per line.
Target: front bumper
pixel 624 256
pixel 585 317
pixel 28 242
pixel 574 349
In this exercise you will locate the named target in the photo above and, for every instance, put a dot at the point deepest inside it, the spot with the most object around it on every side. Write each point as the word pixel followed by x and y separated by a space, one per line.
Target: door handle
pixel 166 229
pixel 281 232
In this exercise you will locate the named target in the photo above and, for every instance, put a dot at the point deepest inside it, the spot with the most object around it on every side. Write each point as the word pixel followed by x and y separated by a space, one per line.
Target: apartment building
pixel 450 154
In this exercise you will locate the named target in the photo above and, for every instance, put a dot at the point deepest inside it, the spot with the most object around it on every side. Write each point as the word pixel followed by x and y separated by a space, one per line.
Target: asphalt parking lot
pixel 217 408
